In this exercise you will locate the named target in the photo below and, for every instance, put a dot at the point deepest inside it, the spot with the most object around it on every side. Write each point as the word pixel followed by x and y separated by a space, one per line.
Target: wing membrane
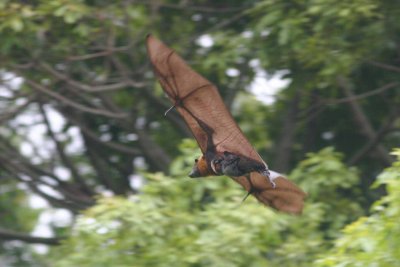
pixel 199 102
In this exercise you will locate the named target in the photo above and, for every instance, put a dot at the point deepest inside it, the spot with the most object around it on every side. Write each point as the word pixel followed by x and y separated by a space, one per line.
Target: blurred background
pixel 93 174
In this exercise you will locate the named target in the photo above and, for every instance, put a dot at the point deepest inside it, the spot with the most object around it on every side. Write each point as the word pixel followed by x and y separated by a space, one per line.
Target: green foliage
pixel 251 113
pixel 19 219
pixel 325 168
pixel 16 215
pixel 329 36
pixel 189 151
pixel 164 226
pixel 202 222
pixel 372 240
pixel 329 183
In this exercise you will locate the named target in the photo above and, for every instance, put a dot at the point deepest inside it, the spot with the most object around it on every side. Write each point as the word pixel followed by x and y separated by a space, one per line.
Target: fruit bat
pixel 226 151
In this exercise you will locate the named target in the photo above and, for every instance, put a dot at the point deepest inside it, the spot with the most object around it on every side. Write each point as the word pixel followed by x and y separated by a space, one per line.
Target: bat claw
pixel 168 110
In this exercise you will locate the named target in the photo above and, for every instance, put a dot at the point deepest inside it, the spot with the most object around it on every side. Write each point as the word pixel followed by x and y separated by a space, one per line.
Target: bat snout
pixel 194 173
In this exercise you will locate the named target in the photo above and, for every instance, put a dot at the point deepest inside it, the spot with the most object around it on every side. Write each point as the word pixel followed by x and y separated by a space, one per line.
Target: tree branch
pixel 103 172
pixel 98 54
pixel 11 235
pixel 65 159
pixel 285 144
pixel 90 88
pixel 110 144
pixel 8 115
pixel 18 166
pixel 378 137
pixel 153 152
pixel 384 66
pixel 74 104
pixel 364 95
pixel 363 123
pixel 204 9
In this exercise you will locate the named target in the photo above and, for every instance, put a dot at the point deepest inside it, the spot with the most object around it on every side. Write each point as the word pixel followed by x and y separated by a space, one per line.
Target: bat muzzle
pixel 194 173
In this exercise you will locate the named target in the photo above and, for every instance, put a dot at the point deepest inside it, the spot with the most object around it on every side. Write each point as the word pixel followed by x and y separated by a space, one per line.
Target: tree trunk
pixel 364 125
pixel 285 145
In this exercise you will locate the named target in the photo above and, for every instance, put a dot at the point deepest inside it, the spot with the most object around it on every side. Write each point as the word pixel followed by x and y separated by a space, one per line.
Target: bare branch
pixel 65 159
pixel 16 164
pixel 74 104
pixel 319 106
pixel 204 9
pixel 113 145
pixel 285 145
pixel 11 235
pixel 162 105
pixel 384 66
pixel 220 25
pixel 364 95
pixel 101 169
pixel 363 123
pixel 5 116
pixel 153 151
pixel 378 137
pixel 104 53
pixel 90 88
pixel 33 185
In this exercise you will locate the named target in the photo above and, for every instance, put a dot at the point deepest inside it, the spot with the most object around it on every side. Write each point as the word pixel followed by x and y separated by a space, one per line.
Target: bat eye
pixel 196 160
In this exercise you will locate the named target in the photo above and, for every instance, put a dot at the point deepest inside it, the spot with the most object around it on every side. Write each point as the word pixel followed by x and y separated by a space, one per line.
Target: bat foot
pixel 268 175
pixel 251 189
pixel 247 195
pixel 272 183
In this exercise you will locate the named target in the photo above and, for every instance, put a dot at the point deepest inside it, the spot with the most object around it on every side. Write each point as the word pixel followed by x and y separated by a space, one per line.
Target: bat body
pixel 236 165
pixel 228 164
pixel 226 151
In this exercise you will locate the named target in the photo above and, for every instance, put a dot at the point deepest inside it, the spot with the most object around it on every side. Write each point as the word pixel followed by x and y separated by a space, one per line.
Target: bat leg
pixel 268 175
pixel 246 196
pixel 251 190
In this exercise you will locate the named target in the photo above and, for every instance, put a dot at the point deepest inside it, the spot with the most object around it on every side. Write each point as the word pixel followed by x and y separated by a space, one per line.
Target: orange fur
pixel 203 167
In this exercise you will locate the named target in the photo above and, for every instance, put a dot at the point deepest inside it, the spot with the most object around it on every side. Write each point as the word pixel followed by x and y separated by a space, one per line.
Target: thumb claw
pixel 166 112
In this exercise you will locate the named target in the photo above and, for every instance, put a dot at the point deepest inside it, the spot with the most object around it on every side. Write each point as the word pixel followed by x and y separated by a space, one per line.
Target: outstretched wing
pixel 203 110
pixel 286 196
pixel 199 103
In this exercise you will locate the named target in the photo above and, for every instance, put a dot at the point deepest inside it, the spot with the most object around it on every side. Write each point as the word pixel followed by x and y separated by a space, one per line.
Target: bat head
pixel 201 168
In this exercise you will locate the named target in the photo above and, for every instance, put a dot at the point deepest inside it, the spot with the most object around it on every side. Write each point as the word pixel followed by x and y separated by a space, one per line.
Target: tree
pixel 79 69
pixel 358 246
pixel 203 222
